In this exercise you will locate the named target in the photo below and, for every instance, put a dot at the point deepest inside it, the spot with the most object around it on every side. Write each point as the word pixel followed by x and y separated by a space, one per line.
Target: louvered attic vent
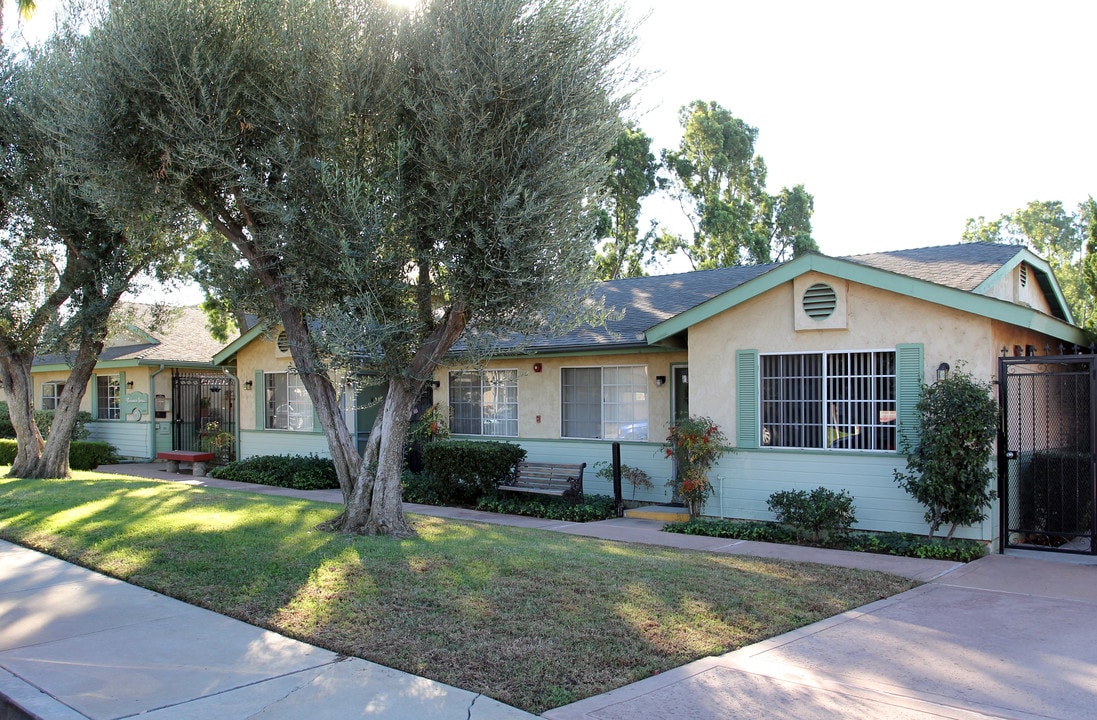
pixel 282 342
pixel 820 300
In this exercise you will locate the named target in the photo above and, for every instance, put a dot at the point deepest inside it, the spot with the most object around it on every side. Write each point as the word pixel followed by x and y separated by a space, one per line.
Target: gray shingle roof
pixel 963 266
pixel 185 338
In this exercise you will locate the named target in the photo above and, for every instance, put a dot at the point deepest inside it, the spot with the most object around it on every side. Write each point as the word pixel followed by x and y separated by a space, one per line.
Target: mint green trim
pixel 260 399
pixel 123 406
pixel 746 388
pixel 597 352
pixel 1045 276
pixel 118 364
pixel 910 374
pixel 973 303
pixel 236 345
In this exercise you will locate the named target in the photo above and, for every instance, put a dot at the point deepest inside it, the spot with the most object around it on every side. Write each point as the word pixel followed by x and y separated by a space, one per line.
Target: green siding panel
pixel 746 379
pixel 910 368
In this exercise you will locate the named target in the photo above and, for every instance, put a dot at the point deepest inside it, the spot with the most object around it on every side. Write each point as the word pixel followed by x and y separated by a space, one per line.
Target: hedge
pixel 83 454
pixel 463 471
pixel 300 472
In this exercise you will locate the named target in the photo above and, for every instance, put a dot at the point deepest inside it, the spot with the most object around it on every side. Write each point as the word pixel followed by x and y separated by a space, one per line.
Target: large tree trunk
pixel 15 372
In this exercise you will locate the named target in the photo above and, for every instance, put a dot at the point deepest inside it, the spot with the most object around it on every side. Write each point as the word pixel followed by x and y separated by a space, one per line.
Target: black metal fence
pixel 204 414
pixel 1046 466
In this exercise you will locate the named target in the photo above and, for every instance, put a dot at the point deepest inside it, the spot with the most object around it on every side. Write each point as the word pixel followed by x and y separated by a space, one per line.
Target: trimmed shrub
pixel 7 430
pixel 462 471
pixel 83 454
pixel 43 419
pixel 820 513
pixel 419 487
pixel 88 455
pixel 8 449
pixel 300 472
pixel 591 509
pixel 901 544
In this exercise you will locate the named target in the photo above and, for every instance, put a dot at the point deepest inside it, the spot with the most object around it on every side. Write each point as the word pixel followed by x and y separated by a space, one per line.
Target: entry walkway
pixel 1004 637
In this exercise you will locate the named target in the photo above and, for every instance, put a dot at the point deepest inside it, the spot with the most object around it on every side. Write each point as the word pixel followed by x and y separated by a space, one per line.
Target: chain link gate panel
pixel 204 414
pixel 1046 473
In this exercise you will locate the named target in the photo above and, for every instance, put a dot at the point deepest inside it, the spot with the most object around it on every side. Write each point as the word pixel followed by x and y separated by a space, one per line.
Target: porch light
pixel 129 384
pixel 249 384
pixel 942 371
pixel 660 380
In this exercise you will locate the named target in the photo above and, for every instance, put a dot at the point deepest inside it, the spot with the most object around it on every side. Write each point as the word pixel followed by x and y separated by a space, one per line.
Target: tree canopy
pixel 379 181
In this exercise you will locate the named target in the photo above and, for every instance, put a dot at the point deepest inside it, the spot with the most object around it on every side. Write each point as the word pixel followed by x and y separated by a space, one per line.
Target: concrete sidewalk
pixel 1006 637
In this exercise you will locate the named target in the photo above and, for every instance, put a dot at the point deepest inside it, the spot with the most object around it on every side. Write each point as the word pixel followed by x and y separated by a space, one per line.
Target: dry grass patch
pixel 535 619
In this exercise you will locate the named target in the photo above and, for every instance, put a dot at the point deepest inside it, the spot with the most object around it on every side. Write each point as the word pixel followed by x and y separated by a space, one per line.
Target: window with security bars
pixel 836 400
pixel 607 403
pixel 484 403
pixel 288 405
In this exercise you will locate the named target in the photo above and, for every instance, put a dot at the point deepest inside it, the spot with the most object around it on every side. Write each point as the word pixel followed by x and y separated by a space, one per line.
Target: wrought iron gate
pixel 1047 482
pixel 204 414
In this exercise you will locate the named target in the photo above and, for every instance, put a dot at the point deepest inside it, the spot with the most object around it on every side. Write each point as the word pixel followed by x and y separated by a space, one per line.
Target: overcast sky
pixel 902 119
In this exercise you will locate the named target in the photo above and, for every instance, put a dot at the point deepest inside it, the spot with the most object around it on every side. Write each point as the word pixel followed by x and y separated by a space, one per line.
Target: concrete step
pixel 663 513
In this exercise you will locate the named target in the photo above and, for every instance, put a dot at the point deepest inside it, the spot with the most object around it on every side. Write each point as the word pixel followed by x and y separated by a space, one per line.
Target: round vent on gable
pixel 820 300
pixel 282 342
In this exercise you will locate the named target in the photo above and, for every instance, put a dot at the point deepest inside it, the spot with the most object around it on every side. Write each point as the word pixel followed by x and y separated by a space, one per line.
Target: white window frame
pixel 111 409
pixel 614 414
pixel 49 402
pixel 498 413
pixel 855 410
pixel 291 410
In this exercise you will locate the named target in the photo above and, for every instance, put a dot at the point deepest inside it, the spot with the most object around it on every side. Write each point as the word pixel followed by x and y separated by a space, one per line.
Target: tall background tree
pixel 633 176
pixel 1055 234
pixel 380 182
pixel 721 185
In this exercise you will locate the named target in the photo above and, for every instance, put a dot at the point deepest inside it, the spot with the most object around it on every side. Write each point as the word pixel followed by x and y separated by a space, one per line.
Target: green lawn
pixel 532 618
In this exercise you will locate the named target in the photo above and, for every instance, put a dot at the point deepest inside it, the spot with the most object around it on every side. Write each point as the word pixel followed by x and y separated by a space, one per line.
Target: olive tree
pixel 382 181
pixel 948 469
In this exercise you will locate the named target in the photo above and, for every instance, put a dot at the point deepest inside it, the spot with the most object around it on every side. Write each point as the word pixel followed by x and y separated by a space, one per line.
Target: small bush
pixel 8 449
pixel 83 455
pixel 43 419
pixel 88 455
pixel 900 544
pixel 591 509
pixel 822 512
pixel 462 471
pixel 419 487
pixel 300 472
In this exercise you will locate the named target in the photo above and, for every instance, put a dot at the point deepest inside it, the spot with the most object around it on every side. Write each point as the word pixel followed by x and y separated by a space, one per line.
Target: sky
pixel 902 119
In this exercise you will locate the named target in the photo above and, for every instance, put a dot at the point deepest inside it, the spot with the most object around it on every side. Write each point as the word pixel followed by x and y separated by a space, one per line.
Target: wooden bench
pixel 198 460
pixel 560 479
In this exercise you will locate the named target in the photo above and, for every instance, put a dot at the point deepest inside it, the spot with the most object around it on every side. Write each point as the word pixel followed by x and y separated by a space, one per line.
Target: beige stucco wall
pixel 1021 287
pixel 260 354
pixel 539 392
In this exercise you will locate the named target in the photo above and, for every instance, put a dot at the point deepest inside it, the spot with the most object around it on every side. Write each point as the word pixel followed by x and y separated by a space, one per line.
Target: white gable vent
pixel 820 300
pixel 1024 275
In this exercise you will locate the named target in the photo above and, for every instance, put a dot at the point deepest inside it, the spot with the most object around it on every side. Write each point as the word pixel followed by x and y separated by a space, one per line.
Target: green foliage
pixel 1061 237
pixel 635 476
pixel 88 455
pixel 43 419
pixel 948 470
pixel 716 174
pixel 632 177
pixel 900 544
pixel 461 471
pixel 591 509
pixel 8 449
pixel 695 443
pixel 301 472
pixel 822 513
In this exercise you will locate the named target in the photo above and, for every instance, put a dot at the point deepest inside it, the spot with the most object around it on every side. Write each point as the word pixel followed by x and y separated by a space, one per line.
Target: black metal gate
pixel 1047 482
pixel 204 414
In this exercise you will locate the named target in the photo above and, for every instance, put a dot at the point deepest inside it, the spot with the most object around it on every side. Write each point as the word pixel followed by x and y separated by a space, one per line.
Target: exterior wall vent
pixel 819 302
pixel 282 342
pixel 1024 274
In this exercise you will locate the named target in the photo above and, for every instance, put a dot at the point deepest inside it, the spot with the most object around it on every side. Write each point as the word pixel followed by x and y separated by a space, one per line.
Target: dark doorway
pixel 1046 474
pixel 204 414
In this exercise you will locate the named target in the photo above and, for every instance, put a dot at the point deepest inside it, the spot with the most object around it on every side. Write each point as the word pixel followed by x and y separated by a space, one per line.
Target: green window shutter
pixel 316 426
pixel 93 391
pixel 909 369
pixel 123 406
pixel 260 401
pixel 746 379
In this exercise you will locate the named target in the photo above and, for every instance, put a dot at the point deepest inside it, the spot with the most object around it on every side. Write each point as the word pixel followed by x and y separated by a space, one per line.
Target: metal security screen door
pixel 204 414
pixel 1046 473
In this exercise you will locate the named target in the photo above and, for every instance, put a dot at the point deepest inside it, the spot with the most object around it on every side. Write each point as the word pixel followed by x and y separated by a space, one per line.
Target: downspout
pixel 152 411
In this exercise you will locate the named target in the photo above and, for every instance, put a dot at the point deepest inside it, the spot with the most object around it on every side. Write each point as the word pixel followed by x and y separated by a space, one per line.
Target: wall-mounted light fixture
pixel 436 383
pixel 129 384
pixel 660 380
pixel 536 367
pixel 942 370
pixel 249 384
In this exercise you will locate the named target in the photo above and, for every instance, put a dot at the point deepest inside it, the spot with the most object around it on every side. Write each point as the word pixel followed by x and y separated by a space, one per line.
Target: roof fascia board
pixel 873 277
pixel 1048 282
pixel 591 352
pixel 143 334
pixel 236 345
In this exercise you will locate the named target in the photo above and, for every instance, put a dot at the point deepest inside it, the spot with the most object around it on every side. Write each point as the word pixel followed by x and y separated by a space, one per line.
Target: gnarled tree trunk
pixel 15 372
